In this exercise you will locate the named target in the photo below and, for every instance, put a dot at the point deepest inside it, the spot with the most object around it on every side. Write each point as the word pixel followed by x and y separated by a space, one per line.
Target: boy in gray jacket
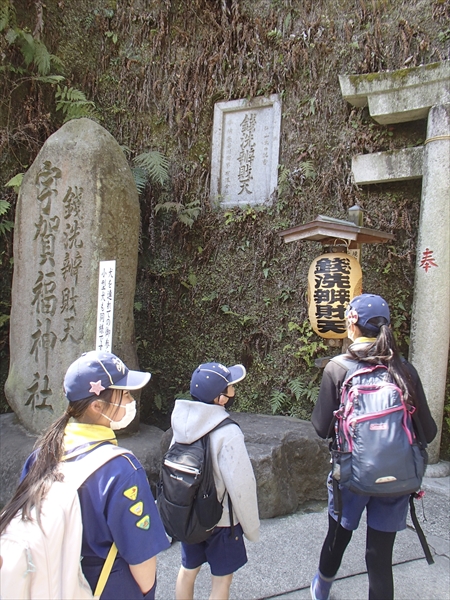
pixel 212 390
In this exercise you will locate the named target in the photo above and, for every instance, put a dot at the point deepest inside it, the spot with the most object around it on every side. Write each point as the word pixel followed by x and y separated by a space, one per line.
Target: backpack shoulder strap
pixel 76 472
pixel 355 367
pixel 344 360
pixel 226 421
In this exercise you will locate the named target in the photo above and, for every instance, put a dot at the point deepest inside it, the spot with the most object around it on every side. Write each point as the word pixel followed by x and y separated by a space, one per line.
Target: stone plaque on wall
pixel 78 205
pixel 245 149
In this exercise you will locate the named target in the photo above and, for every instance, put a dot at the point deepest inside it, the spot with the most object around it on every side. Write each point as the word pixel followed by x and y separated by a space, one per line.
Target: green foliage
pixel 5 225
pixel 308 345
pixel 186 214
pixel 295 178
pixel 239 215
pixel 7 14
pixel 15 182
pixel 140 178
pixel 278 400
pixel 73 103
pixel 242 319
pixel 400 309
pixel 298 403
pixel 153 167
pixel 34 52
pixel 3 319
pixel 153 164
pixel 307 390
pixel 444 36
pixel 156 75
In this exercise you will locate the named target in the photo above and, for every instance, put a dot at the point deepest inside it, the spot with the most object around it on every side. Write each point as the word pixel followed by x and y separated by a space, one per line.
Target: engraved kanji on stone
pixel 38 395
pixel 46 181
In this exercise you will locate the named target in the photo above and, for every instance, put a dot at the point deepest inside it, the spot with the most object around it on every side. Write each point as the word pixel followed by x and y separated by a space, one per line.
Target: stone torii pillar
pixel 396 97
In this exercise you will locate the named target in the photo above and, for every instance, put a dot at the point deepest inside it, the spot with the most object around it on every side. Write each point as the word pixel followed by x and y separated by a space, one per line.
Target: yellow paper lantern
pixel 333 280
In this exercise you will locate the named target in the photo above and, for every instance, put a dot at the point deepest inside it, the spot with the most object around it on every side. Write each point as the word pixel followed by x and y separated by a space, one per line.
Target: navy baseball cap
pixel 208 381
pixel 96 371
pixel 365 307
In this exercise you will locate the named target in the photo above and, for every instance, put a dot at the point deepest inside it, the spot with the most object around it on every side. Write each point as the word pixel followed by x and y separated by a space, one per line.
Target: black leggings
pixel 379 546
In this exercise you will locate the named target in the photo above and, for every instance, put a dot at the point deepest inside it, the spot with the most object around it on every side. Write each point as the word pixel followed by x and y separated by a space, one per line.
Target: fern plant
pixel 33 50
pixel 304 389
pixel 186 214
pixel 278 400
pixel 5 225
pixel 15 182
pixel 73 103
pixel 153 166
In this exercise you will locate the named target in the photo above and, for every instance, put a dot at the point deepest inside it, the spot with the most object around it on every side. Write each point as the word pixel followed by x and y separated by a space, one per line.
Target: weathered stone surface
pixel 78 205
pixel 429 347
pixel 289 460
pixel 16 444
pixel 399 96
pixel 395 165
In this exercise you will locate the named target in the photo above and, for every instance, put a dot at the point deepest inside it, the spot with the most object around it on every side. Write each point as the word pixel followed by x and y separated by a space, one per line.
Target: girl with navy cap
pixel 117 505
pixel 368 326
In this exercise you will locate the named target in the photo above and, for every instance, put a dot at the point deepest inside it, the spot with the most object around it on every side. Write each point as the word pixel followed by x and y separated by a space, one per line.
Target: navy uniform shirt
pixel 118 505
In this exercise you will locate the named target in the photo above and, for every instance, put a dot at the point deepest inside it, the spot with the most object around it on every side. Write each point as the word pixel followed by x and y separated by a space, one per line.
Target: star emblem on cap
pixel 96 387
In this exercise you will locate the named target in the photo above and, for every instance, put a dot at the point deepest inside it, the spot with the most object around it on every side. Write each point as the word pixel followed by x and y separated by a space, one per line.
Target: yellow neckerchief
pixel 83 437
pixel 363 340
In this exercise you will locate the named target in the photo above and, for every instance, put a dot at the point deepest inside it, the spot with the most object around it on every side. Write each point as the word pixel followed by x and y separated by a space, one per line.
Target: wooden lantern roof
pixel 327 230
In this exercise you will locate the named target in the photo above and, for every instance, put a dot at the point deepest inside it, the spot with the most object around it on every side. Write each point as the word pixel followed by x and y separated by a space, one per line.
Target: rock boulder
pixel 289 460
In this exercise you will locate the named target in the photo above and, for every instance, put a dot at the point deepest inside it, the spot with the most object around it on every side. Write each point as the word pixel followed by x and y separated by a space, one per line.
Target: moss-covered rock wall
pixel 222 284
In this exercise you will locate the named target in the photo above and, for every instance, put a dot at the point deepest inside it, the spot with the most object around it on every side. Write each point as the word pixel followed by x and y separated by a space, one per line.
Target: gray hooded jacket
pixel 233 472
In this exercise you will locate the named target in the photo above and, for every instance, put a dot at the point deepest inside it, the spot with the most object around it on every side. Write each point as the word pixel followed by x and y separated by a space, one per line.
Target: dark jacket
pixel 329 399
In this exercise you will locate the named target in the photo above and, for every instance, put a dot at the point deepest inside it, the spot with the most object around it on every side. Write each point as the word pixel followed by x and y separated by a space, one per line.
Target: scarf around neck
pixel 82 437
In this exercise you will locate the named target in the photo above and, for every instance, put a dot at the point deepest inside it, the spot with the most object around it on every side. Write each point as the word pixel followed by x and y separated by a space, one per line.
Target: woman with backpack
pixel 368 326
pixel 117 506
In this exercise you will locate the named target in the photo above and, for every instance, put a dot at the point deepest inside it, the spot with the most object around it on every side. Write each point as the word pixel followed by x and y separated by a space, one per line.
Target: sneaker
pixel 320 587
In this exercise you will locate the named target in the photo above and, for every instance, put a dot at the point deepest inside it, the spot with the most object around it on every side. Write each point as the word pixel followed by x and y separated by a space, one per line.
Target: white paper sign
pixel 105 306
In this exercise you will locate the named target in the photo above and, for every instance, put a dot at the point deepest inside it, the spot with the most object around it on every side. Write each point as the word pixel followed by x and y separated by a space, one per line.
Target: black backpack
pixel 187 497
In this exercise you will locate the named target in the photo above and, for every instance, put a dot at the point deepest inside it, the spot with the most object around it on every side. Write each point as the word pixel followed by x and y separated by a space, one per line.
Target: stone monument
pixel 78 205
pixel 245 148
pixel 397 97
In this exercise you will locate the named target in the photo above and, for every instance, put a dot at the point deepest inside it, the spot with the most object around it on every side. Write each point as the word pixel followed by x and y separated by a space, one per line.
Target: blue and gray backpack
pixel 376 451
pixel 378 448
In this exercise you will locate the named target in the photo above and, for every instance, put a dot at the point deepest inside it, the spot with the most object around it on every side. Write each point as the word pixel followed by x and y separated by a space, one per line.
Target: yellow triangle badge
pixel 144 523
pixel 137 509
pixel 131 493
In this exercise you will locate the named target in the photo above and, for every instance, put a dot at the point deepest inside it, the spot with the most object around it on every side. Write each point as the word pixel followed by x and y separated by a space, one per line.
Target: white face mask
pixel 130 413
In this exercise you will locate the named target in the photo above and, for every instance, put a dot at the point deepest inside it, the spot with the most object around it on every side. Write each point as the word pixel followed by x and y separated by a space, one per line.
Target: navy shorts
pixel 225 554
pixel 383 514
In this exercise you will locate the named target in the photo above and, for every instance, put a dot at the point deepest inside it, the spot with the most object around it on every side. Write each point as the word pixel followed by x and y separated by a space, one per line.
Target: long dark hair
pixel 384 351
pixel 43 471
